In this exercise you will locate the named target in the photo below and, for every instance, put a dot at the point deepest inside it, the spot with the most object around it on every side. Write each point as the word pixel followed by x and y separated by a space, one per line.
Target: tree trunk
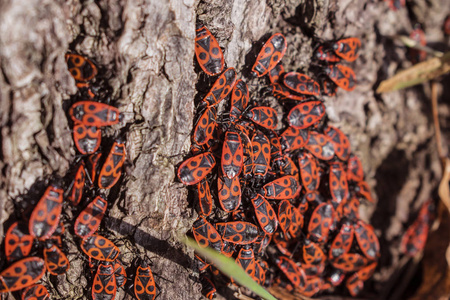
pixel 145 54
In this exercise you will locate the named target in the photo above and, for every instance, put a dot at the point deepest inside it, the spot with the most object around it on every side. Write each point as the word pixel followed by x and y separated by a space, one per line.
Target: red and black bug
pixel 204 130
pixel 195 169
pixel 100 248
pixel 342 242
pixel 204 197
pixel 343 76
pixel 367 240
pixel 355 170
pixel 355 282
pixel 232 154
pixel 265 214
pixel 208 288
pixel 206 235
pixel 87 138
pixel 276 73
pixel 246 260
pixel 112 167
pixel 349 262
pixel 144 283
pixel 294 273
pixel 313 253
pixel 286 187
pixel 309 171
pixel 415 237
pixel 347 48
pixel 320 146
pixel 104 286
pixel 55 260
pixel 78 185
pixel 338 184
pixel 119 273
pixel 260 154
pixel 238 232
pixel 229 193
pixel 81 68
pixel 92 165
pixel 208 52
pixel 91 113
pixel 270 55
pixel 301 83
pixel 89 219
pixel 45 217
pixel 323 53
pixel 362 189
pixel 320 223
pixel 312 286
pixel 21 274
pixel 340 142
pixel 263 116
pixel 35 292
pixel 221 88
pixel 260 272
pixel 293 139
pixel 18 242
pixel 239 100
pixel 306 114
pixel 285 215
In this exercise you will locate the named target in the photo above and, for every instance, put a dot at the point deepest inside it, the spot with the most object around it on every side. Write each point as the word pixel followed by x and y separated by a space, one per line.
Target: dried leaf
pixel 419 73
pixel 444 190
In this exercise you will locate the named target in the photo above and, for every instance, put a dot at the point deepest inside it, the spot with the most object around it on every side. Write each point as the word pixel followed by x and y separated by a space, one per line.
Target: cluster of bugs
pixel 281 199
pixel 94 174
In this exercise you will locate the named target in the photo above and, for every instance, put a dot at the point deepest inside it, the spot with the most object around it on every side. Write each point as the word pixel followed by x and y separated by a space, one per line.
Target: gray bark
pixel 146 51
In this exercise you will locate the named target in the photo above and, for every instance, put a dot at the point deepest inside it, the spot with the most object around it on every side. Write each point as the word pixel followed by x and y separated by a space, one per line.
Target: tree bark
pixel 145 54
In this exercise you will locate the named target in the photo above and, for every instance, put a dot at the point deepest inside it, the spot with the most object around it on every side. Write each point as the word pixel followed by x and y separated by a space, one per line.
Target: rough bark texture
pixel 145 53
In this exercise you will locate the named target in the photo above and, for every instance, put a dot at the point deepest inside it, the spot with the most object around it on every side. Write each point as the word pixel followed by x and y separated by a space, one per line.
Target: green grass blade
pixel 228 267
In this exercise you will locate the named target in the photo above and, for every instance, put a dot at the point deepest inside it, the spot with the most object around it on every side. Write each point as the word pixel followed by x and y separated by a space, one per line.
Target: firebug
pixel 104 285
pixel 89 219
pixel 45 217
pixel 270 55
pixel 81 68
pixel 112 167
pixel 22 274
pixel 195 169
pixel 91 113
pixel 100 248
pixel 208 52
